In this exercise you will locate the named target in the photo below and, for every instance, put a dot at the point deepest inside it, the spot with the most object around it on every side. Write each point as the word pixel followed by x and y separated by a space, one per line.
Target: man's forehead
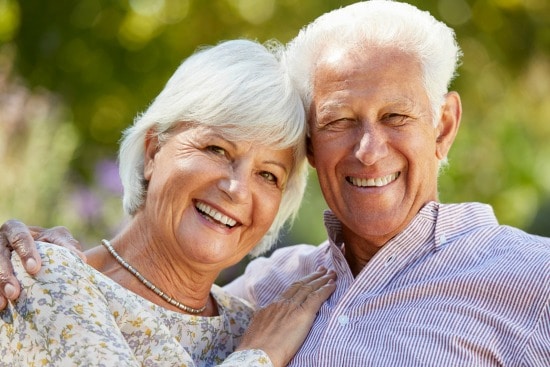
pixel 340 68
pixel 332 56
pixel 343 57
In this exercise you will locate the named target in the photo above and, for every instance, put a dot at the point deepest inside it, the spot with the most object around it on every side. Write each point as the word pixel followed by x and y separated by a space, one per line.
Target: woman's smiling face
pixel 211 198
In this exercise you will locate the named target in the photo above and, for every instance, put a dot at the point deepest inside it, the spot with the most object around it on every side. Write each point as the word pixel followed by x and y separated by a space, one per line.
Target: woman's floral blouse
pixel 71 315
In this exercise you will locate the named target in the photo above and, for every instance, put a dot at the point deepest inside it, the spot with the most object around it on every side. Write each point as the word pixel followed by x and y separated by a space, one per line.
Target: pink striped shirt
pixel 454 289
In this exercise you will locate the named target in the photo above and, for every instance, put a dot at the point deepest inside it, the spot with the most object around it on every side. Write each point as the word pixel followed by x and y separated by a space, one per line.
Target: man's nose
pixel 371 147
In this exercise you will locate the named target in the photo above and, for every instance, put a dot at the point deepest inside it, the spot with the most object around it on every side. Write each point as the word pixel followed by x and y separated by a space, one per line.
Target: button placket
pixel 343 320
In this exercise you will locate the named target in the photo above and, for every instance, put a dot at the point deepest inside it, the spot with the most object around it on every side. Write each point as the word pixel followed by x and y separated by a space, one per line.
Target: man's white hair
pixel 383 24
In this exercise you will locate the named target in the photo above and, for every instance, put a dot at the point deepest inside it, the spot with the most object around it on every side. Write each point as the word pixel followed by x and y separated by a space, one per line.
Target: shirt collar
pixel 456 219
pixel 435 222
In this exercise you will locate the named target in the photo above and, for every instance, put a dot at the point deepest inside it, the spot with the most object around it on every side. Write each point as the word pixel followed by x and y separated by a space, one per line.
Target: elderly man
pixel 420 283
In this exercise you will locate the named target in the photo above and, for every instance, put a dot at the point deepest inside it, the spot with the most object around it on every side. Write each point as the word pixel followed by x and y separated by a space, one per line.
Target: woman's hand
pixel 15 235
pixel 280 328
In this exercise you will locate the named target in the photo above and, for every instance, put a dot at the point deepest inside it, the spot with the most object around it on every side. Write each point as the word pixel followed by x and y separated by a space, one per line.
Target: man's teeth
pixel 380 181
pixel 216 215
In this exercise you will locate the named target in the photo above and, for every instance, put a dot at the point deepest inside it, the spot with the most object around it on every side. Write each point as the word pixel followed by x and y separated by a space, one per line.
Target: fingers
pixel 315 284
pixel 9 286
pixel 312 295
pixel 59 236
pixel 308 294
pixel 281 327
pixel 15 235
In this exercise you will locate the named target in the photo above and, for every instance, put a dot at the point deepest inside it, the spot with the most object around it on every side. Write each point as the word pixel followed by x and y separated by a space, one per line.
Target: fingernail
pixel 9 290
pixel 31 264
pixel 321 268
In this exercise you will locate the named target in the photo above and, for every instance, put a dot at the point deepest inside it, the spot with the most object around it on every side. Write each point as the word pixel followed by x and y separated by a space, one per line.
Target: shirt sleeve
pixel 61 318
pixel 248 358
pixel 537 353
pixel 244 286
pixel 237 287
pixel 265 278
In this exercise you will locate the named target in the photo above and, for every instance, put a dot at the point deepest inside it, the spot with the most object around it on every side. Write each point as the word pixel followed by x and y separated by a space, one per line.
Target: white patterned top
pixel 70 314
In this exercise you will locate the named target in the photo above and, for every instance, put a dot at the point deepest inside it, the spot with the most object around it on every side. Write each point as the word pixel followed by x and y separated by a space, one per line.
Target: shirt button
pixel 442 239
pixel 390 259
pixel 343 320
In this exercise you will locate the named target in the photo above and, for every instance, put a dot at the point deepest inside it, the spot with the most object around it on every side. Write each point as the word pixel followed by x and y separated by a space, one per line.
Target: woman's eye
pixel 269 176
pixel 216 149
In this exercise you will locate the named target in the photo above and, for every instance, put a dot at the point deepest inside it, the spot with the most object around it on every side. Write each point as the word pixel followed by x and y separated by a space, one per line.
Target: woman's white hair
pixel 239 87
pixel 378 23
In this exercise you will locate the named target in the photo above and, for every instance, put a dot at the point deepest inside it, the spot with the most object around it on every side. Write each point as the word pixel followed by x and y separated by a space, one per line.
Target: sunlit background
pixel 74 73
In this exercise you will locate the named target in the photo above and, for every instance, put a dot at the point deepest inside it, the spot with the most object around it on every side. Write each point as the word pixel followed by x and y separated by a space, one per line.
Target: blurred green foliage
pixel 74 73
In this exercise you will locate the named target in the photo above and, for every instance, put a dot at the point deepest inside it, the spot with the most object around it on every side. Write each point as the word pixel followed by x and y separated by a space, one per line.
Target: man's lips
pixel 373 182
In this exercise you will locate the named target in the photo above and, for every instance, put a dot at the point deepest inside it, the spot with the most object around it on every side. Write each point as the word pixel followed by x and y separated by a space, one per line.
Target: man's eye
pixel 344 120
pixel 395 118
pixel 337 124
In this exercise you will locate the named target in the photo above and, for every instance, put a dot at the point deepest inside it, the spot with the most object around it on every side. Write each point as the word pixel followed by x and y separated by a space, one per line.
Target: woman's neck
pixel 168 272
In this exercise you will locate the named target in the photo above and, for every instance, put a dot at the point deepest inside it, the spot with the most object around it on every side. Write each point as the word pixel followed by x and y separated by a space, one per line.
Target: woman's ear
pixel 449 122
pixel 151 148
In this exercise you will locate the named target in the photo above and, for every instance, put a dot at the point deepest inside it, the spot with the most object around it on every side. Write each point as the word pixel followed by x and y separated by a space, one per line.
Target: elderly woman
pixel 211 171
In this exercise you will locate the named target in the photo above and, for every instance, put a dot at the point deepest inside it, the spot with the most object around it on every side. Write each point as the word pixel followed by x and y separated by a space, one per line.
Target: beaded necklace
pixel 148 284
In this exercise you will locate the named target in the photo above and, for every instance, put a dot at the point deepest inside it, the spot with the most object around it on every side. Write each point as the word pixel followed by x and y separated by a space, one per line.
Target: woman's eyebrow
pixel 279 164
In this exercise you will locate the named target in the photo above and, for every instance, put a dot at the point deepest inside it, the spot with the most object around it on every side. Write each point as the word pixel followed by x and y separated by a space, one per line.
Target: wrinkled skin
pixel 374 143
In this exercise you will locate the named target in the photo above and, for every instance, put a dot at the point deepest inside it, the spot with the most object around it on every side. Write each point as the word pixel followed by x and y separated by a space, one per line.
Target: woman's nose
pixel 237 185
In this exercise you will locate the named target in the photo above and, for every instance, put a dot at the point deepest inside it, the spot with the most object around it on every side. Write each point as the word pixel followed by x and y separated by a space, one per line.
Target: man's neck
pixel 358 255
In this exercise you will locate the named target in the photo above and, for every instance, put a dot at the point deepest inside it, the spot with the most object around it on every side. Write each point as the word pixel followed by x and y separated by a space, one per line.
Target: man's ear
pixel 151 148
pixel 309 152
pixel 449 122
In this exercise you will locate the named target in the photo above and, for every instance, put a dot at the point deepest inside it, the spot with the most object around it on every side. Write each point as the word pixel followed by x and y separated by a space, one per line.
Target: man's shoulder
pixel 300 250
pixel 511 247
pixel 291 259
pixel 265 278
pixel 534 245
pixel 476 223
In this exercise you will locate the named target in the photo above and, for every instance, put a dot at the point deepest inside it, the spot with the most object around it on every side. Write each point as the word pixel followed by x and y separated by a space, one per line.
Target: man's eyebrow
pixel 401 102
pixel 330 107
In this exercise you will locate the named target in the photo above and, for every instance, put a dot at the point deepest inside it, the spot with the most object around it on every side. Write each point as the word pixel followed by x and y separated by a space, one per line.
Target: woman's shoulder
pixel 57 261
pixel 64 315
pixel 54 259
pixel 230 302
pixel 235 311
pixel 62 272
pixel 54 253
